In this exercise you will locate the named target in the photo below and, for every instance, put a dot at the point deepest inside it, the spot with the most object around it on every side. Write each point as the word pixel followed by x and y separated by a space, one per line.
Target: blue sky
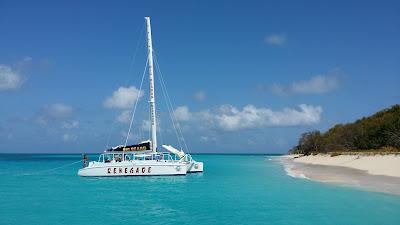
pixel 244 76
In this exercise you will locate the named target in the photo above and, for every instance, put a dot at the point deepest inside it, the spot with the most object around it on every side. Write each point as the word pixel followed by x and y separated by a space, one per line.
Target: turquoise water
pixel 234 189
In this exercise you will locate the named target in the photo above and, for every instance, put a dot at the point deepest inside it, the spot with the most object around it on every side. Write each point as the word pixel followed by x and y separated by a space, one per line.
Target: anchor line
pixel 52 169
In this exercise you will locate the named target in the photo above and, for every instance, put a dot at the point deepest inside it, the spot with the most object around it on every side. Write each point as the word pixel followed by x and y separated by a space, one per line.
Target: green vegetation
pixel 333 154
pixel 375 134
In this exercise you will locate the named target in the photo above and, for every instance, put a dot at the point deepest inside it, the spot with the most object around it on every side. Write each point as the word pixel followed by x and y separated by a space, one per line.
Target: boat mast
pixel 151 79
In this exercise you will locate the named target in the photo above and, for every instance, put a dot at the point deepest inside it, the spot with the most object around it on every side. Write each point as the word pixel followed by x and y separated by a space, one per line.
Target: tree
pixel 381 130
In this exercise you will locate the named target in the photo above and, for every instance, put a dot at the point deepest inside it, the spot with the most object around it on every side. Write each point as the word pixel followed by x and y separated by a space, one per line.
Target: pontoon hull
pixel 194 167
pixel 133 168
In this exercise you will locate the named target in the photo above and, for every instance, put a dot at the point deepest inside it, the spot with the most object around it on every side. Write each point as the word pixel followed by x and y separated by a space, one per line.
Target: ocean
pixel 234 189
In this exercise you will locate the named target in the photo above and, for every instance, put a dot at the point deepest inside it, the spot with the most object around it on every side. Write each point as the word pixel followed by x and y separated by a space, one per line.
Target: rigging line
pixel 52 169
pixel 109 134
pixel 169 99
pixel 170 108
pixel 140 133
pixel 170 112
pixel 133 59
pixel 171 105
pixel 137 100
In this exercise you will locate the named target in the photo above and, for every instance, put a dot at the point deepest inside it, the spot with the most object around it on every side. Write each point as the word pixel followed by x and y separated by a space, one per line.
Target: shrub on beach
pixel 333 154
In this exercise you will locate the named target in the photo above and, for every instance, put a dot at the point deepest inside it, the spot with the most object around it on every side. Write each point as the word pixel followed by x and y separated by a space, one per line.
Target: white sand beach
pixel 379 173
pixel 387 165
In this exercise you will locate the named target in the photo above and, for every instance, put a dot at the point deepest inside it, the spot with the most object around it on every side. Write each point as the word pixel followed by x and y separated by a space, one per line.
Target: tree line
pixel 379 132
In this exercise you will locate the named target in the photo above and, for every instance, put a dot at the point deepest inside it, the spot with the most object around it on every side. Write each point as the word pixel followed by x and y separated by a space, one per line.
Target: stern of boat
pixel 194 167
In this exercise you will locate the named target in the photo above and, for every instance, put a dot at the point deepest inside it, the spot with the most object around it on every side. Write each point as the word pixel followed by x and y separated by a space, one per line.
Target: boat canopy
pixel 142 146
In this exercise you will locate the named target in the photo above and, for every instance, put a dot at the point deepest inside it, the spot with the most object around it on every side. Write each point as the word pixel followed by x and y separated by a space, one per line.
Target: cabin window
pixel 107 158
pixel 118 157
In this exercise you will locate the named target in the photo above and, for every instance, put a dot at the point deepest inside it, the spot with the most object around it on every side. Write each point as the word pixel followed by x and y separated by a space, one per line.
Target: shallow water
pixel 234 189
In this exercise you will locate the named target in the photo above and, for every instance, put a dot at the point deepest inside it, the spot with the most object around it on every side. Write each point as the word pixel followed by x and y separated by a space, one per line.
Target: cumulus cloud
pixel 200 95
pixel 123 98
pixel 146 125
pixel 276 39
pixel 28 64
pixel 69 137
pixel 208 139
pixel 70 125
pixel 58 111
pixel 24 63
pixel 9 79
pixel 182 113
pixel 315 85
pixel 124 117
pixel 229 118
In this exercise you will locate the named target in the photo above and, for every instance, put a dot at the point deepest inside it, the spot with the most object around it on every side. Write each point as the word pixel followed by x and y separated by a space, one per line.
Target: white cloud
pixel 252 117
pixel 229 118
pixel 41 120
pixel 315 85
pixel 9 79
pixel 123 98
pixel 146 125
pixel 26 62
pixel 58 111
pixel 200 95
pixel 275 39
pixel 69 137
pixel 182 113
pixel 70 125
pixel 124 134
pixel 124 117
pixel 208 139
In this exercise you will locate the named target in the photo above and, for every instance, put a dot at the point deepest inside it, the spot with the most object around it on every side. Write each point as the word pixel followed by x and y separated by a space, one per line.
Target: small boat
pixel 142 159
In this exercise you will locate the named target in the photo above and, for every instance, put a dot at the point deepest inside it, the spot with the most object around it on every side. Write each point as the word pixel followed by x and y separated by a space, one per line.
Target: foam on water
pixel 291 171
pixel 290 168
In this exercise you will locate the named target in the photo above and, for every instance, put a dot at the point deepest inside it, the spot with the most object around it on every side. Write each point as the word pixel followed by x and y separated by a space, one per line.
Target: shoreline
pixel 386 165
pixel 378 173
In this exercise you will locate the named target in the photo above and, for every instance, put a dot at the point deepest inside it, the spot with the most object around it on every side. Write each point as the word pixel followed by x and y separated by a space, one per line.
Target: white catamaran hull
pixel 133 168
pixel 194 167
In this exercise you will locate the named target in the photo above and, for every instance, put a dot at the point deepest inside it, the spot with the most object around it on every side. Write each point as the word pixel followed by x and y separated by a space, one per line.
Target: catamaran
pixel 143 159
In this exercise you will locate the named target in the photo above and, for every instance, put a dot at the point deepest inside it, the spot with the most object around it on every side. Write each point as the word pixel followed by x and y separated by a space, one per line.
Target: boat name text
pixel 127 170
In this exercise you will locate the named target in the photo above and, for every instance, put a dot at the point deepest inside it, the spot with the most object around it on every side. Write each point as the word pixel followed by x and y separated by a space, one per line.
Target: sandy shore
pixel 387 165
pixel 380 173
